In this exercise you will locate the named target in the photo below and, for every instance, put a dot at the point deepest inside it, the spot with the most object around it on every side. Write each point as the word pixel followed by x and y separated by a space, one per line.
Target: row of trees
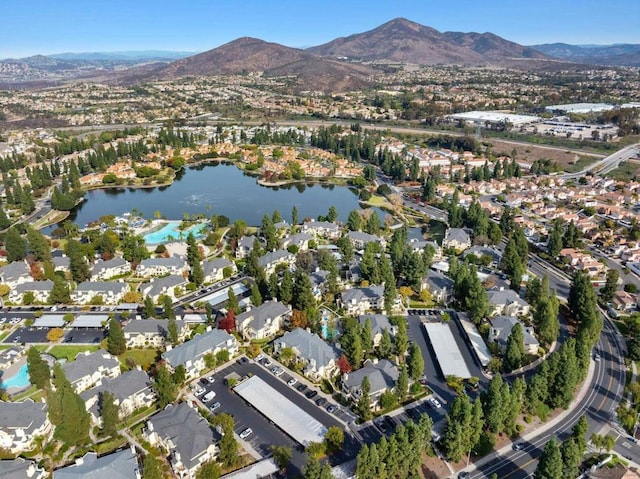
pixel 562 461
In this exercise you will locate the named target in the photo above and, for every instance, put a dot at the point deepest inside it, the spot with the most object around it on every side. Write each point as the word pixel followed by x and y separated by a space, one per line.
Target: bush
pixel 384 189
pixel 365 195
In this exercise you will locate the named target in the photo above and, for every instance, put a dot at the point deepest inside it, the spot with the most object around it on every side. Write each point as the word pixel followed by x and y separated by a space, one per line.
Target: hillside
pixel 618 55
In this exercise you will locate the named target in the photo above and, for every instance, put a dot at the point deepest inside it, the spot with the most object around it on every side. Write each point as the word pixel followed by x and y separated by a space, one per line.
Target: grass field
pixel 142 357
pixel 70 352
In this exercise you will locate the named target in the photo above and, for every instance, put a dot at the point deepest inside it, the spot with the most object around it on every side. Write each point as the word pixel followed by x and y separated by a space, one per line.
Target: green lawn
pixel 142 357
pixel 70 352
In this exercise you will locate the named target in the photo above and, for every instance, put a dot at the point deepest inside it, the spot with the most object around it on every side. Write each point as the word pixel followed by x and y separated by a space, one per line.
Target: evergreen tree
pixel 269 233
pixel 110 414
pixel 60 291
pixel 5 222
pixel 67 411
pixel 172 331
pixel 515 351
pixel 493 405
pixel 294 215
pixel 149 310
pixel 364 403
pixel 554 242
pixel 14 244
pixel 116 343
pixel 571 458
pixel 39 372
pixel 345 245
pixel 367 336
pixel 196 273
pixel 286 287
pixel 385 346
pixel 232 302
pixel 77 263
pixel 256 297
pixel 164 386
pixel 354 221
pixel 151 468
pixel 610 287
pixel 402 385
pixel 38 245
pixel 332 215
pixel 546 319
pixel 303 298
pixel 415 362
pixel 550 463
pixel 401 340
pixel 167 307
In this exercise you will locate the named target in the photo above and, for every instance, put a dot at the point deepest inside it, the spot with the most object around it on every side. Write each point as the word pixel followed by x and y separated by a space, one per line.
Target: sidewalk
pixel 586 387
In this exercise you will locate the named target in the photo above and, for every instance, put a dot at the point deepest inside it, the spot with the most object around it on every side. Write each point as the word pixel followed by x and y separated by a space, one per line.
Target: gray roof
pixel 90 321
pixel 271 257
pixel 62 262
pixel 309 346
pixel 217 264
pixel 18 469
pixel 99 287
pixel 318 277
pixel 263 313
pixel 382 375
pixel 359 294
pixel 325 225
pixel 493 253
pixel 438 281
pixel 49 321
pixel 118 465
pixel 297 239
pixel 27 415
pixel 171 262
pixel 364 237
pixel 46 285
pixel 247 242
pixel 151 326
pixel 13 271
pixel 457 234
pixel 122 387
pixel 161 285
pixel 198 346
pixel 187 430
pixel 86 364
pixel 505 297
pixel 379 322
pixel 116 262
pixel 501 327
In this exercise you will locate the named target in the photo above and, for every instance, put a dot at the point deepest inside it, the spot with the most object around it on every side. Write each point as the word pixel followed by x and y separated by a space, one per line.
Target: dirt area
pixel 433 468
pixel 535 152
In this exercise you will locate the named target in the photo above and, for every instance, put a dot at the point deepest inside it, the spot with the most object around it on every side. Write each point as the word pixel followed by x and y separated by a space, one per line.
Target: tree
pixel 545 317
pixel 294 215
pixel 402 384
pixel 77 263
pixel 164 386
pixel 286 287
pixel 269 233
pixel 67 410
pixel 415 361
pixel 228 323
pixel 354 221
pixel 298 319
pixel 38 368
pixel 515 350
pixel 385 346
pixel 343 364
pixel 554 242
pixel 345 245
pixel 167 307
pixel 209 470
pixel 282 455
pixel 149 310
pixel 367 336
pixel 332 215
pixel 610 287
pixel 38 245
pixel 116 343
pixel 14 244
pixel 256 297
pixel 232 302
pixel 493 402
pixel 55 334
pixel 303 298
pixel 196 273
pixel 401 340
pixel 172 331
pixel 550 462
pixel 110 414
pixel 334 438
pixel 151 468
pixel 228 445
pixel 363 407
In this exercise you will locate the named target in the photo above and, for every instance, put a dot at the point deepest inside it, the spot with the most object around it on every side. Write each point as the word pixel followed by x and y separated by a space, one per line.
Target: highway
pixel 607 164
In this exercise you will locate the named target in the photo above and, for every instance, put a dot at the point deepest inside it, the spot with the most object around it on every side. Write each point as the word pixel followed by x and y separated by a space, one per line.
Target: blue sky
pixel 55 26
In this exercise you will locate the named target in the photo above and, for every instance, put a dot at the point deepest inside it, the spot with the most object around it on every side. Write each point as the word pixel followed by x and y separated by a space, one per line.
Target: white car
pixel 211 379
pixel 199 392
pixel 246 433
pixel 259 357
pixel 435 403
pixel 292 381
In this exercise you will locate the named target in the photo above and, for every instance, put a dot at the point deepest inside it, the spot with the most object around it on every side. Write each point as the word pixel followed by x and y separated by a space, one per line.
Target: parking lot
pixel 84 335
pixel 27 335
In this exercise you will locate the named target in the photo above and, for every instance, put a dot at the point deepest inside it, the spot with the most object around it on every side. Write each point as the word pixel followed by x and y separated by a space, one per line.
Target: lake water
pixel 218 189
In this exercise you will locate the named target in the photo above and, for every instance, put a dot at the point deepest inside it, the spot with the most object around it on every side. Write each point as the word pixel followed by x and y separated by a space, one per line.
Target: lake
pixel 218 189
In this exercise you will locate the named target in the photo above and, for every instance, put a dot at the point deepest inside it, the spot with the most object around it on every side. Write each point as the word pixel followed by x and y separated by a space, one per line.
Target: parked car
pixel 292 381
pixel 215 406
pixel 302 387
pixel 246 433
pixel 242 360
pixel 331 408
pixel 435 403
pixel 211 379
pixel 311 394
pixel 259 357
pixel 518 446
pixel 321 402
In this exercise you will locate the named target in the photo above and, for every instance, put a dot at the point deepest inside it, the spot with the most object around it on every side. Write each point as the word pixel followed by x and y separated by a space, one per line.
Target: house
pixel 439 285
pixel 185 436
pixel 162 266
pixel 61 263
pixel 122 464
pixel 20 468
pixel 89 369
pixel 360 239
pixel 382 376
pixel 319 358
pixel 111 292
pixel 300 241
pixel 165 286
pixel 245 245
pixel 272 259
pixel 485 251
pixel 21 423
pixel 507 302
pixel 619 471
pixel 262 321
pixel 40 290
pixel 318 282
pixel 15 273
pixel 151 333
pixel 214 270
pixel 131 390
pixel 10 356
pixel 623 301
pixel 456 238
pixel 191 354
pixel 323 229
pixel 361 300
pixel 379 324
pixel 108 269
pixel 501 327
pixel 418 246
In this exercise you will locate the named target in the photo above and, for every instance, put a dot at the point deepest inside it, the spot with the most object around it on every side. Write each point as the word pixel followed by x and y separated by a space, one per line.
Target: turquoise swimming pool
pixel 20 380
pixel 171 231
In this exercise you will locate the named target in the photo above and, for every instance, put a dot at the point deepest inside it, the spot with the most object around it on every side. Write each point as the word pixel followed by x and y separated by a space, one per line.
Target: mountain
pixel 132 56
pixel 623 54
pixel 401 40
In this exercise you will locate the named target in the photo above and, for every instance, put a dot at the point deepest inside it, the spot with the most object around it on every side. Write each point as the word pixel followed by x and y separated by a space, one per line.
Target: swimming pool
pixel 170 230
pixel 19 380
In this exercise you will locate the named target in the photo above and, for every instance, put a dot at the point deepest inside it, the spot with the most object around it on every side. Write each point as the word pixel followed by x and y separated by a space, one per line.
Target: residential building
pixel 20 468
pixel 191 354
pixel 89 369
pixel 214 270
pixel 103 270
pixel 162 266
pixel 165 286
pixel 319 358
pixel 262 321
pixel 122 464
pixel 507 302
pixel 379 324
pixel 15 273
pixel 40 289
pixel 500 331
pixel 324 229
pixel 362 300
pixel 10 356
pixel 456 238
pixel 271 260
pixel 131 390
pixel 300 241
pixel 151 333
pixel 318 282
pixel 418 246
pixel 485 251
pixel 624 302
pixel 61 263
pixel 439 285
pixel 245 245
pixel 111 292
pixel 382 376
pixel 20 424
pixel 360 239
pixel 185 436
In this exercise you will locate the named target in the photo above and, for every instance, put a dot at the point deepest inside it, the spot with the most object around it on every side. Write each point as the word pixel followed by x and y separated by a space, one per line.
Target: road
pixel 607 164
